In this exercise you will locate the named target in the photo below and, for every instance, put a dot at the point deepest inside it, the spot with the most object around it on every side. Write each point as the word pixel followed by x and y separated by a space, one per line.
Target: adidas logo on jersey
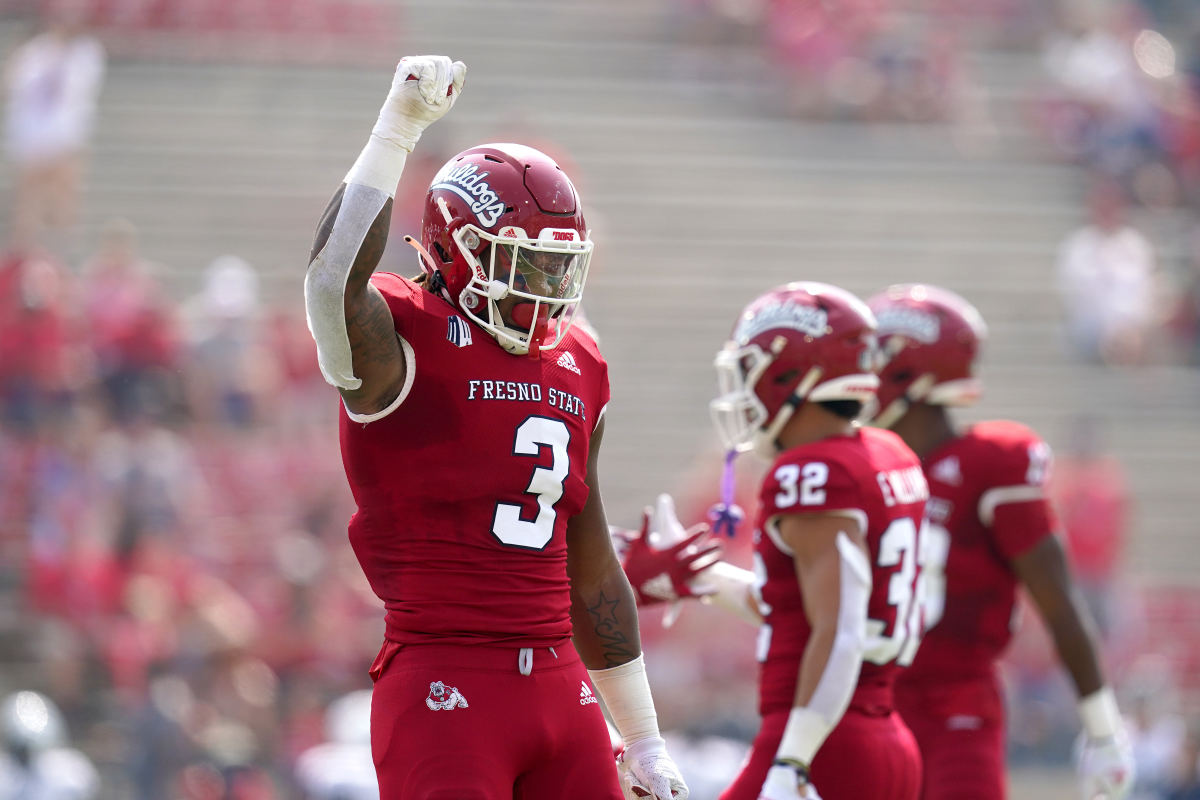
pixel 947 471
pixel 585 694
pixel 458 332
pixel 567 361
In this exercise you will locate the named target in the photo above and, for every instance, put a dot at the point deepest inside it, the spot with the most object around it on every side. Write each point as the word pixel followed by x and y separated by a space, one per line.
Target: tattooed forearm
pixel 615 645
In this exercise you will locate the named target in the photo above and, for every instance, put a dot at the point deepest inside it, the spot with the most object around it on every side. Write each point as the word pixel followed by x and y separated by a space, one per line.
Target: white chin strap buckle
pixel 497 290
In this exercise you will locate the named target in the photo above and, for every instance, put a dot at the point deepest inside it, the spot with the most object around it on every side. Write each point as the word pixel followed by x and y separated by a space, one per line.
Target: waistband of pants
pixel 501 658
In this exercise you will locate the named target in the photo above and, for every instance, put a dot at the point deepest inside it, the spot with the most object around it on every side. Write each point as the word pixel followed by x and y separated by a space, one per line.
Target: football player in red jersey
pixel 472 414
pixel 990 528
pixel 836 540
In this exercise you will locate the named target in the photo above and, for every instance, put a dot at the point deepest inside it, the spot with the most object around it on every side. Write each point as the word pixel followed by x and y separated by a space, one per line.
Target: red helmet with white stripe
pixel 803 341
pixel 930 339
pixel 504 237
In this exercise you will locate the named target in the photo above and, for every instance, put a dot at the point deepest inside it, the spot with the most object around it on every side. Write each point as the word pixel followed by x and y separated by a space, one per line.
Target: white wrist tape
pixel 626 694
pixel 803 736
pixel 729 588
pixel 809 725
pixel 325 283
pixel 379 165
pixel 1099 714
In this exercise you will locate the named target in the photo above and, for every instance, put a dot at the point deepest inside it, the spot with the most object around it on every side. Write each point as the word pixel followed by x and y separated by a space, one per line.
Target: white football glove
pixel 423 90
pixel 782 784
pixel 648 772
pixel 1106 767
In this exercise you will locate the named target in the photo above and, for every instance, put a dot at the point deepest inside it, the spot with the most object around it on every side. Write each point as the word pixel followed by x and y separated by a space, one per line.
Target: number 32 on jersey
pixel 898 547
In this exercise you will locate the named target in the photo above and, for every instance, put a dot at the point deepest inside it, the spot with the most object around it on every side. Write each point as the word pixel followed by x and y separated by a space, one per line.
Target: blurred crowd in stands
pixel 1117 92
pixel 311 31
pixel 172 517
pixel 174 570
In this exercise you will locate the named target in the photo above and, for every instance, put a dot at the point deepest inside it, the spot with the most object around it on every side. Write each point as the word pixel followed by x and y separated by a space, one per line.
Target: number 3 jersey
pixel 988 505
pixel 871 477
pixel 464 491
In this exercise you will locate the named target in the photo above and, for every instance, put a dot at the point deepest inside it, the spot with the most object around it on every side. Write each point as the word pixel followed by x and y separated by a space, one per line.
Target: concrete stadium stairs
pixel 701 195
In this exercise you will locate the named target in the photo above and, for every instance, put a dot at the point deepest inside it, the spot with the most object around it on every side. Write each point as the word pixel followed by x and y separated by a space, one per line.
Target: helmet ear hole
pixel 787 377
pixel 846 409
pixel 441 253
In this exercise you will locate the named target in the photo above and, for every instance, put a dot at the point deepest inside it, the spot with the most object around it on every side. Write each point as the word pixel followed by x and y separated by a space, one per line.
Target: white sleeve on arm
pixel 808 726
pixel 325 283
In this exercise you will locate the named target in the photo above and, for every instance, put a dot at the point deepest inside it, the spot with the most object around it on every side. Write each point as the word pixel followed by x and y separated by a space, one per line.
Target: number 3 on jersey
pixel 898 547
pixel 546 484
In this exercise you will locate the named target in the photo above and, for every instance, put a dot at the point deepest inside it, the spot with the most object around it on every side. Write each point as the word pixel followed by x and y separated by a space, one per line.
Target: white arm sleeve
pixel 325 283
pixel 808 726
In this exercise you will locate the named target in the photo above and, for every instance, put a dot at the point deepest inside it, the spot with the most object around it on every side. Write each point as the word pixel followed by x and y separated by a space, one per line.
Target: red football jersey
pixel 464 491
pixel 987 505
pixel 871 476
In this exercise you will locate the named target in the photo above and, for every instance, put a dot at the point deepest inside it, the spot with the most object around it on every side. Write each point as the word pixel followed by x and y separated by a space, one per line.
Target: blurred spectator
pixel 1157 729
pixel 37 763
pixel 1092 498
pixel 1186 785
pixel 340 768
pixel 129 325
pixel 1099 109
pixel 1106 277
pixel 230 371
pixel 36 340
pixel 52 83
pixel 1185 317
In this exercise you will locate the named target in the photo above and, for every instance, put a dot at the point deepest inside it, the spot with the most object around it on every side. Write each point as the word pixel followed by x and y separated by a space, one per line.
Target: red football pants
pixel 866 757
pixel 959 729
pixel 461 722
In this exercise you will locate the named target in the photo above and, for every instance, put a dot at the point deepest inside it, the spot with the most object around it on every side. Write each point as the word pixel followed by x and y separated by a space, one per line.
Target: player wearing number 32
pixel 836 535
pixel 471 422
pixel 990 528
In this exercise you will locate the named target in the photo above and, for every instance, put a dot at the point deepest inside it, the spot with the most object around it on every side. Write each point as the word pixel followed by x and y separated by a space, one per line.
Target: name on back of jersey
pixel 904 486
pixel 526 392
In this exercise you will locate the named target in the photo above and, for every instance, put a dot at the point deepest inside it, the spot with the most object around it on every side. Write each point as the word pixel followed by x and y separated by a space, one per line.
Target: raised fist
pixel 423 89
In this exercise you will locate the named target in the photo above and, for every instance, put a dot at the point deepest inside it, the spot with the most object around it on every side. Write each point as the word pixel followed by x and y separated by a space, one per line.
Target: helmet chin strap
pixel 428 265
pixel 765 439
pixel 917 391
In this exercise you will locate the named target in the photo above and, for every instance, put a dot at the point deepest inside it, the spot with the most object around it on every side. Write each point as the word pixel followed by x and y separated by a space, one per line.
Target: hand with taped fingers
pixel 785 782
pixel 648 773
pixel 423 89
pixel 1105 767
pixel 666 575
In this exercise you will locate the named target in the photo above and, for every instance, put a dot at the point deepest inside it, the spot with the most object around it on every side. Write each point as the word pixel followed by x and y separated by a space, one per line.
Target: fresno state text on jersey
pixel 465 489
pixel 872 478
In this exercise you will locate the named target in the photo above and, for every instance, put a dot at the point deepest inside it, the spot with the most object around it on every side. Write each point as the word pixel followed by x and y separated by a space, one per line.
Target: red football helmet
pixel 504 237
pixel 803 341
pixel 930 338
